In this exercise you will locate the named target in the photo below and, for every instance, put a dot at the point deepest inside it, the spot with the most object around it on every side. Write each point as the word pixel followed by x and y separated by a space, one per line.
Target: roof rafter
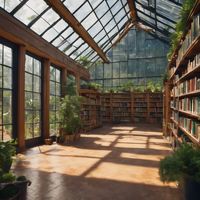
pixel 58 6
pixel 177 3
pixel 163 32
pixel 132 8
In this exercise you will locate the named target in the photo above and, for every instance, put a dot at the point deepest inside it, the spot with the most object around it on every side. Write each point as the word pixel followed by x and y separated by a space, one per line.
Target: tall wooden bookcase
pixel 184 85
pixel 132 107
pixel 90 109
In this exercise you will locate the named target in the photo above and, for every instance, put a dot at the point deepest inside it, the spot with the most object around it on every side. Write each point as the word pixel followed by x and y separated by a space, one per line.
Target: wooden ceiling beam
pixel 14 31
pixel 64 13
pixel 133 12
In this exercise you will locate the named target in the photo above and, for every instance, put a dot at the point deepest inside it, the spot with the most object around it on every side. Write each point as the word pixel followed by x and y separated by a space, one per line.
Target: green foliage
pixel 184 162
pixel 7 151
pixel 69 113
pixel 7 177
pixel 92 85
pixel 127 87
pixel 84 61
pixel 154 87
pixel 180 26
pixel 21 178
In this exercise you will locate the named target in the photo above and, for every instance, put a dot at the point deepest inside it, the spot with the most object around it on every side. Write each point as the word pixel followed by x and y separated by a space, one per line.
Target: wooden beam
pixel 45 99
pixel 132 8
pixel 16 32
pixel 124 33
pixel 63 82
pixel 64 13
pixel 21 98
pixel 77 84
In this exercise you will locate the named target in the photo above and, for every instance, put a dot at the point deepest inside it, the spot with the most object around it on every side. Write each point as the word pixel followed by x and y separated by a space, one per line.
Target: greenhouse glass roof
pixel 91 27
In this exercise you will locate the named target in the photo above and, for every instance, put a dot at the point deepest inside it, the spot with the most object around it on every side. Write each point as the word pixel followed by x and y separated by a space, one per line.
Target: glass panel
pixel 7 107
pixel 7 77
pixel 28 64
pixel 7 60
pixel 6 86
pixel 33 97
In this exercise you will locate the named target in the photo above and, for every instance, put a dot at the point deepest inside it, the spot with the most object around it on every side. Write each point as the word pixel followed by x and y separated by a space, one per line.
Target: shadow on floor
pixel 49 186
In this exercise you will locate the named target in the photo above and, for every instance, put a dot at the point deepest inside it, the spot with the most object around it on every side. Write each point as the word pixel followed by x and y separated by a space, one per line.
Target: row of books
pixel 192 64
pixel 174 103
pixel 156 110
pixel 190 105
pixel 175 116
pixel 191 126
pixel 156 104
pixel 172 70
pixel 175 91
pixel 122 109
pixel 140 104
pixel 140 109
pixel 192 34
pixel 121 104
pixel 189 86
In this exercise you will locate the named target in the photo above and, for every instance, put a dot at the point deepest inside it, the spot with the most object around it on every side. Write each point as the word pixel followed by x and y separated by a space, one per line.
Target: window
pixel 55 95
pixel 6 91
pixel 32 97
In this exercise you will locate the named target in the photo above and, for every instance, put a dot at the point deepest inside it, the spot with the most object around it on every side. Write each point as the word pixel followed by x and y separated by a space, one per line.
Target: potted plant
pixel 11 187
pixel 183 166
pixel 70 121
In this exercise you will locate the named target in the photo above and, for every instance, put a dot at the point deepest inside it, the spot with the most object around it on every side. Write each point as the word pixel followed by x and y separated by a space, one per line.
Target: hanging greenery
pixel 180 26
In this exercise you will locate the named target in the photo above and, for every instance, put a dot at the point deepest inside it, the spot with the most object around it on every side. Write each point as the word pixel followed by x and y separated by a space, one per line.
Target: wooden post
pixel 21 99
pixel 148 106
pixel 63 82
pixel 77 84
pixel 46 93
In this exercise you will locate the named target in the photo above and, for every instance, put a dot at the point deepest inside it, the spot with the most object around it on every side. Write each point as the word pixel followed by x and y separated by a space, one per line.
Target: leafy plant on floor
pixel 10 184
pixel 70 121
pixel 183 162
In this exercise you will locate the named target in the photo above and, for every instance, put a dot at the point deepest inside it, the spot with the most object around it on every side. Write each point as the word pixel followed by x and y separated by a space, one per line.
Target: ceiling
pixel 90 28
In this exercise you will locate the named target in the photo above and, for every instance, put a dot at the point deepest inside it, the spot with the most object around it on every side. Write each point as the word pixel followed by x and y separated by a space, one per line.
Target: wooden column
pixel 77 84
pixel 21 99
pixel 63 82
pixel 148 107
pixel 46 93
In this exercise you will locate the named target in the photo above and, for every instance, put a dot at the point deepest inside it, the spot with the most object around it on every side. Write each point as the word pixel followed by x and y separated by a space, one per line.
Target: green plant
pixel 150 86
pixel 21 178
pixel 92 85
pixel 83 60
pixel 7 177
pixel 7 151
pixel 69 113
pixel 183 163
pixel 180 26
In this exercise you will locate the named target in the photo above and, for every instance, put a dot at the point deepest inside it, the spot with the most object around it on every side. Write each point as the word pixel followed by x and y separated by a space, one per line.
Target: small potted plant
pixel 183 166
pixel 11 187
pixel 70 121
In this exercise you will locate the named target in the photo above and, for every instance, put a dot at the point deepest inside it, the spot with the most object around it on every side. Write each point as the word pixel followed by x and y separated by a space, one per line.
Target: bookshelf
pixel 184 86
pixel 130 107
pixel 90 109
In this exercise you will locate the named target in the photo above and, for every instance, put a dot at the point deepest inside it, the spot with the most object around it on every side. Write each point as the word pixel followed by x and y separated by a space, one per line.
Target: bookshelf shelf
pixel 194 93
pixel 190 114
pixel 90 109
pixel 182 91
pixel 193 139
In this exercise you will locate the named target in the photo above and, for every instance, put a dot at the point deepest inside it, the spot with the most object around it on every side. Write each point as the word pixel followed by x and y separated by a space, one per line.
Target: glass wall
pixel 33 94
pixel 55 95
pixel 6 94
pixel 137 58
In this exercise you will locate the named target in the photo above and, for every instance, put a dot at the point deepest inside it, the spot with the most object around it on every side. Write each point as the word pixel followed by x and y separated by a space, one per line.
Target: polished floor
pixel 111 163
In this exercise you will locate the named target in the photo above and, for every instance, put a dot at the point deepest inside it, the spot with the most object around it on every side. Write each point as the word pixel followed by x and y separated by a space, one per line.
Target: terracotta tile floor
pixel 110 163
